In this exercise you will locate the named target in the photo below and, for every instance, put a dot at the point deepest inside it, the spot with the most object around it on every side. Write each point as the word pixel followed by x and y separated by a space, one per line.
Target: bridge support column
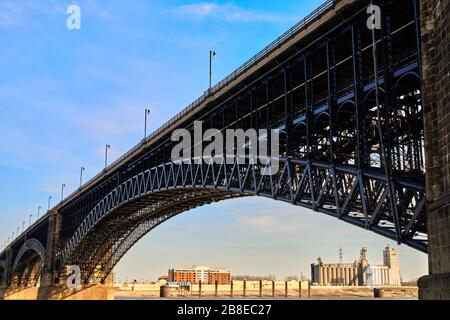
pixel 5 277
pixel 435 29
pixel 48 283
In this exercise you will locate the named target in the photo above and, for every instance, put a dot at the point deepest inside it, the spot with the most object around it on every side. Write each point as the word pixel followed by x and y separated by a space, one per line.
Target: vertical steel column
pixel 356 51
pixel 307 71
pixel 236 114
pixel 268 105
pixel 251 107
pixel 287 119
pixel 385 153
pixel 419 157
pixel 331 93
pixel 257 110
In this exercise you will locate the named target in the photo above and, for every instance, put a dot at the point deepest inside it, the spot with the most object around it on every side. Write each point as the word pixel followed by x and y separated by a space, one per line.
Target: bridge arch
pixel 125 233
pixel 155 195
pixel 28 263
pixel 408 123
pixel 373 155
pixel 346 132
pixel 409 75
pixel 31 244
pixel 299 140
pixel 321 136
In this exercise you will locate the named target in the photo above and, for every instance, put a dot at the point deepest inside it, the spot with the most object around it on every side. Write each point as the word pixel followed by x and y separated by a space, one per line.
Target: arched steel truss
pixel 118 229
pixel 360 197
pixel 30 244
pixel 28 264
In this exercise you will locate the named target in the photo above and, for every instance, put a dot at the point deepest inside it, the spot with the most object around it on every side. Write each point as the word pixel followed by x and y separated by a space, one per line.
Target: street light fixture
pixel 23 226
pixel 62 191
pixel 81 176
pixel 107 147
pixel 212 55
pixel 49 200
pixel 29 220
pixel 39 210
pixel 147 113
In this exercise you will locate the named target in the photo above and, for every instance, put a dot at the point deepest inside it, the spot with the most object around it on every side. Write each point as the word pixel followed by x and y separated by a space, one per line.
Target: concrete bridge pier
pixel 5 275
pixel 90 292
pixel 435 29
pixel 2 285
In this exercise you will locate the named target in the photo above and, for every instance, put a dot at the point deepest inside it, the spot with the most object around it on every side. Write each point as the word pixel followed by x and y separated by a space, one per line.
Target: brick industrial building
pixel 197 274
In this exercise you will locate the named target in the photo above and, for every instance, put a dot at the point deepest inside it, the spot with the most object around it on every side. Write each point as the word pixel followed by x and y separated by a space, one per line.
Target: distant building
pixel 197 274
pixel 163 279
pixel 377 276
pixel 360 272
pixel 334 274
pixel 391 259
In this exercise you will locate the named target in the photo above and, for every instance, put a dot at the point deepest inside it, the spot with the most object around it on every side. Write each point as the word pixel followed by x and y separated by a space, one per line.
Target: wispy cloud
pixel 9 12
pixel 229 12
pixel 14 13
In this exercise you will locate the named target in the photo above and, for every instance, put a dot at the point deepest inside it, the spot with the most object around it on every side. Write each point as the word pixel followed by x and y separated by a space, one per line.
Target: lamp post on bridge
pixel 39 209
pixel 49 200
pixel 107 147
pixel 147 113
pixel 81 176
pixel 212 55
pixel 23 226
pixel 29 220
pixel 17 233
pixel 62 191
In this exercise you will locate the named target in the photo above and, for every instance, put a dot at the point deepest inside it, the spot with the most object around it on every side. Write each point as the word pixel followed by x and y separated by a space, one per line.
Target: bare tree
pixel 253 278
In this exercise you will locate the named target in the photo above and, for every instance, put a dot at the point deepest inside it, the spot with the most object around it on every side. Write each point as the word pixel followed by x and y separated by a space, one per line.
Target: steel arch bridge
pixel 352 147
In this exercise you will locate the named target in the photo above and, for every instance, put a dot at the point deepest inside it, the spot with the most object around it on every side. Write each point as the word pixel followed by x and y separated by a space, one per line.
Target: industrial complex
pixel 360 272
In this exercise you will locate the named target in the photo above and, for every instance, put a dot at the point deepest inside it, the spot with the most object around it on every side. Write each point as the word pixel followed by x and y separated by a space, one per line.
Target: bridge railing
pixel 313 16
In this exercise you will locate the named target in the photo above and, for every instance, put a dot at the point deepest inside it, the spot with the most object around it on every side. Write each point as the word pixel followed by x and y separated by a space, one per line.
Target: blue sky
pixel 65 93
